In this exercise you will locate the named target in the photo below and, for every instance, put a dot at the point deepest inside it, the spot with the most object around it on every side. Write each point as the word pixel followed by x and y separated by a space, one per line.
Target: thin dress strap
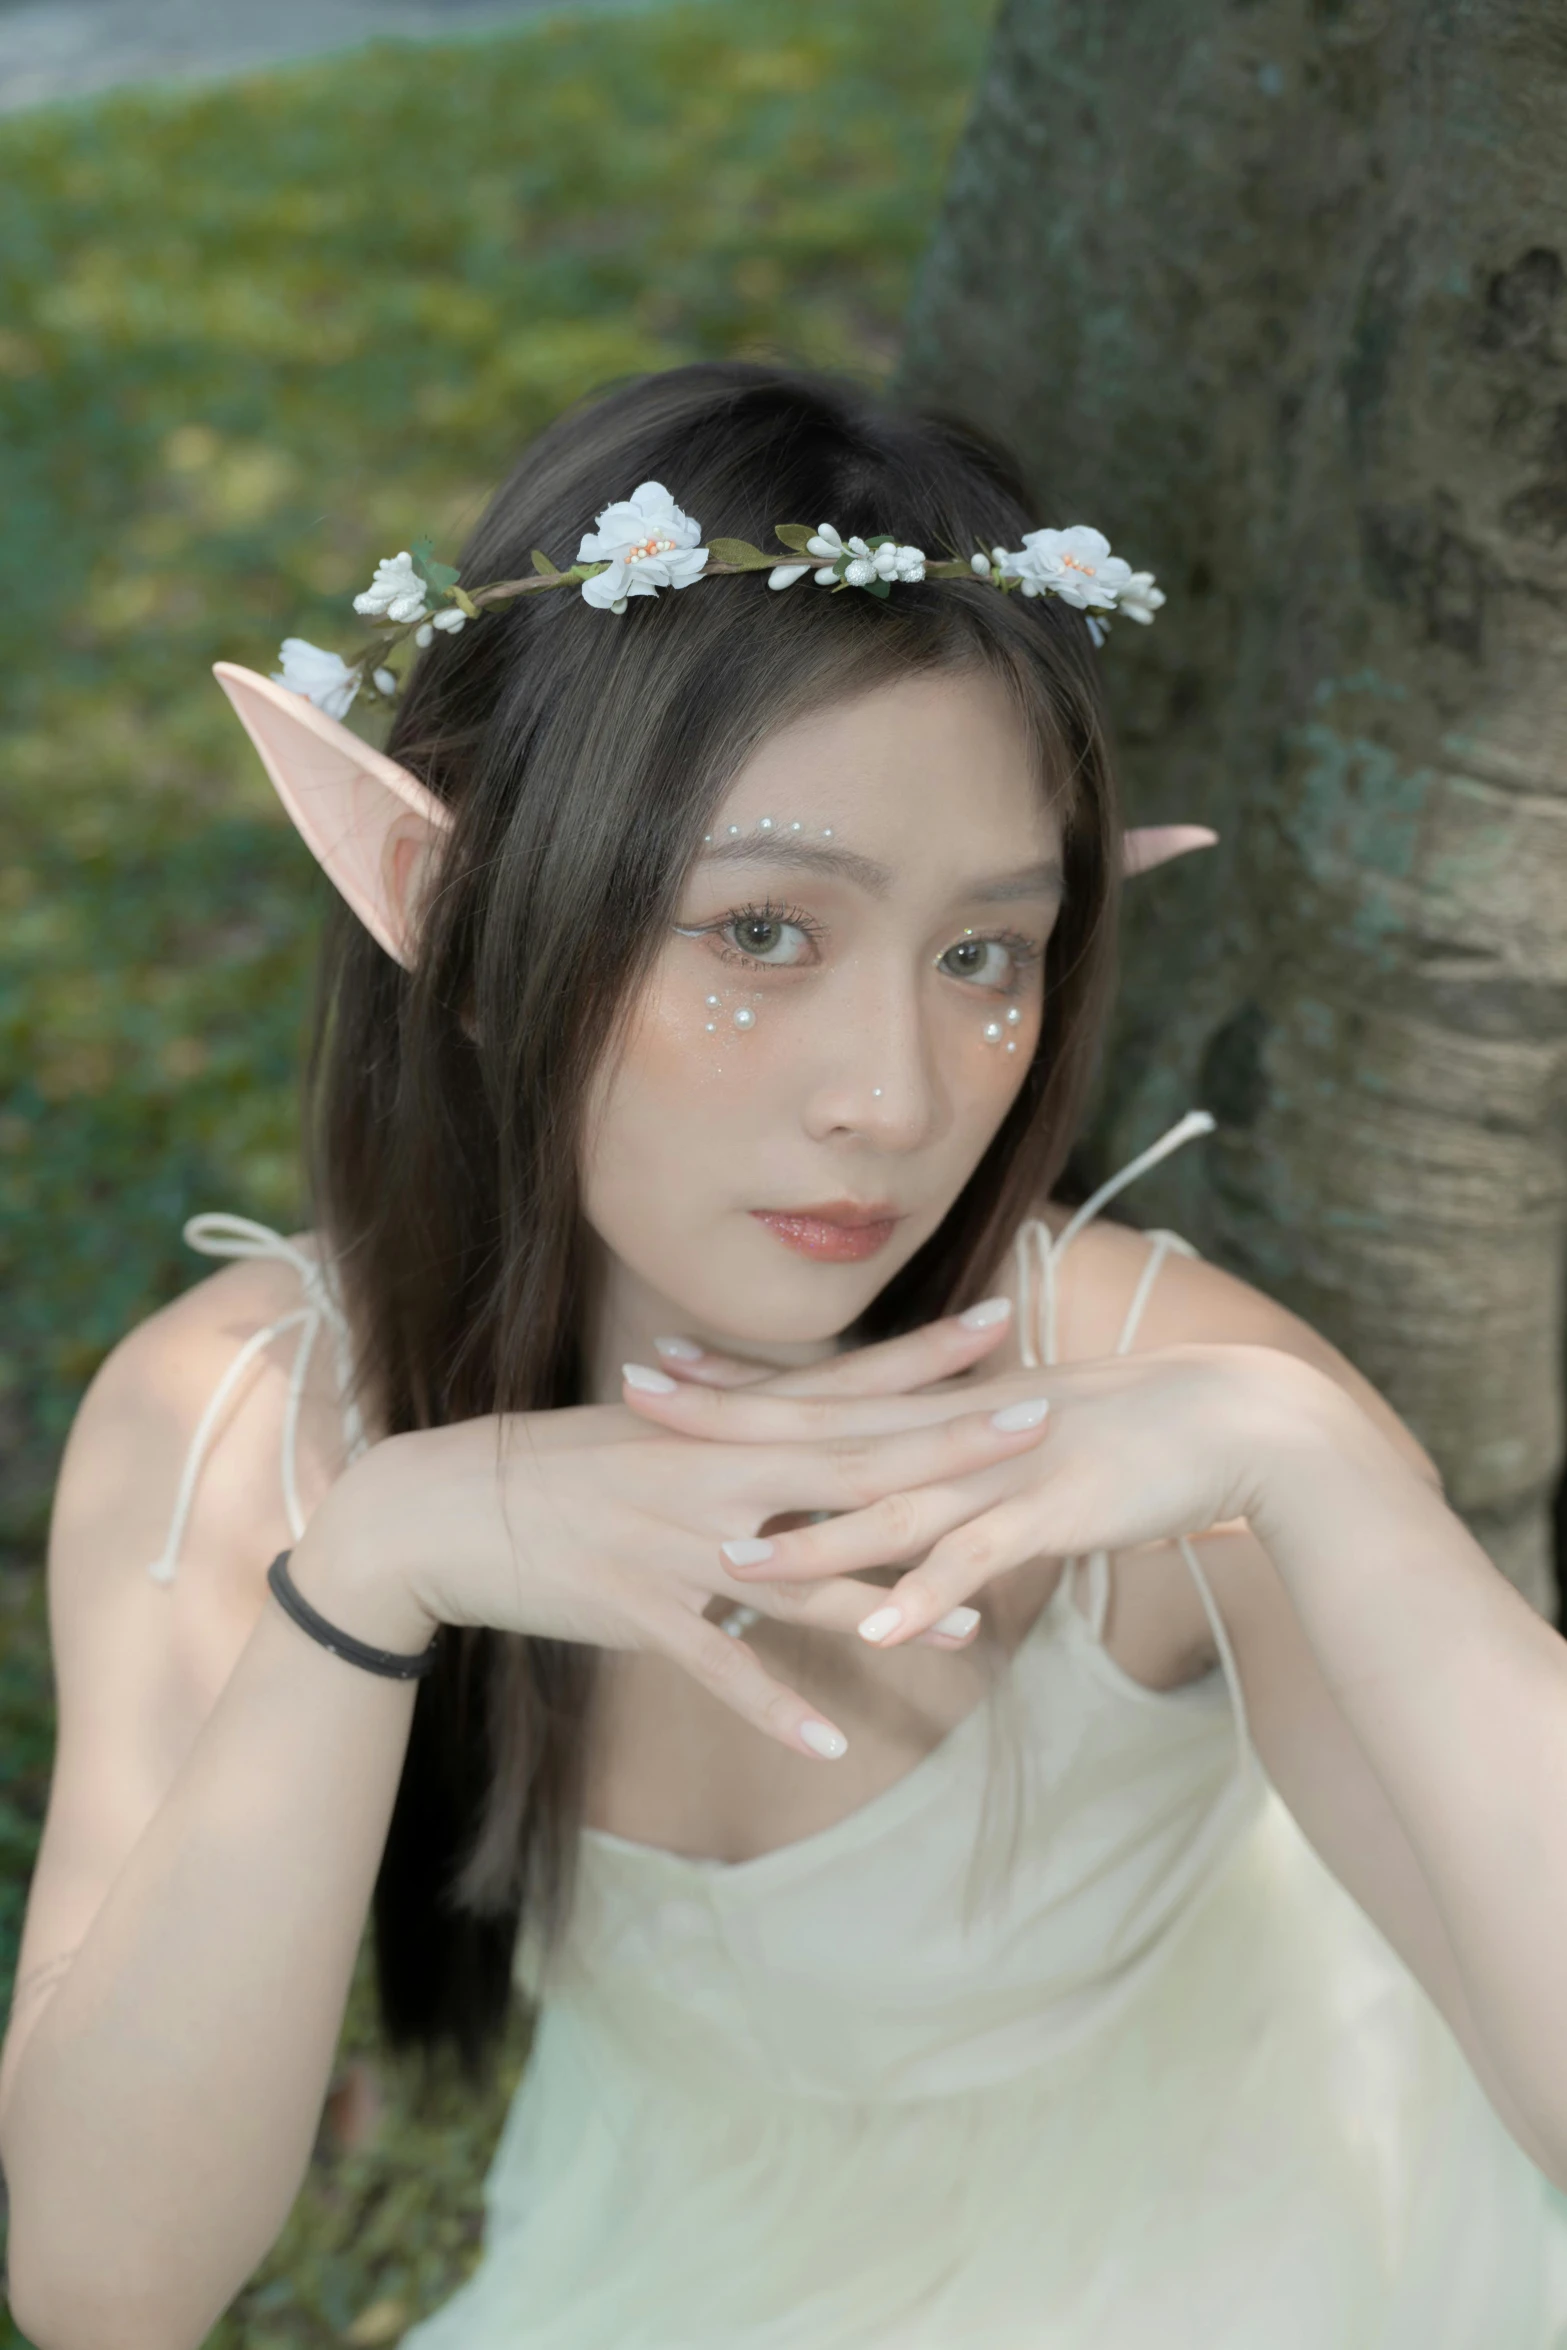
pixel 220 1235
pixel 1037 1339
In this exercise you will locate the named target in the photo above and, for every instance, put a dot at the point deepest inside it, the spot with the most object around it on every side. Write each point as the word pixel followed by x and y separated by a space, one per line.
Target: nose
pixel 877 1076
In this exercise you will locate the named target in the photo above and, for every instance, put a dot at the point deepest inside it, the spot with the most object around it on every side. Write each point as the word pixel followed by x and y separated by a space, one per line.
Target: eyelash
pixel 1024 952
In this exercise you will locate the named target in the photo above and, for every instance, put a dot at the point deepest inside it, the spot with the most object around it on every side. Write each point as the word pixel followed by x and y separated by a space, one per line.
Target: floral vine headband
pixel 354 806
pixel 644 543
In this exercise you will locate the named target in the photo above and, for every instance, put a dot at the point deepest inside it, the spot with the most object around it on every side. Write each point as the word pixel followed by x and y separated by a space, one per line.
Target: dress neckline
pixel 866 1818
pixel 1059 1617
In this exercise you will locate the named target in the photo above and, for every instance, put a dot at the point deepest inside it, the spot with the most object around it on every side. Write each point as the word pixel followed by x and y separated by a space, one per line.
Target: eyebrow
pixel 1043 879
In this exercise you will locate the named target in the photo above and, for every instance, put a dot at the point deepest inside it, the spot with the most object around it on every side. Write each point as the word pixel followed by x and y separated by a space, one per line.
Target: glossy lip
pixel 845 1212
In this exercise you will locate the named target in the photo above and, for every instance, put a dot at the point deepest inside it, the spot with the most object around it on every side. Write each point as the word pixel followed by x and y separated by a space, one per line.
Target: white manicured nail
pixel 989 1311
pixel 957 1622
pixel 822 1740
pixel 748 1552
pixel 1020 1415
pixel 885 1620
pixel 650 1382
pixel 680 1350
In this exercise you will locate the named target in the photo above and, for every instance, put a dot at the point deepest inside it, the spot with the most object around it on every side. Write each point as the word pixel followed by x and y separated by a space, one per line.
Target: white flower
pixel 385 681
pixel 980 566
pixel 1139 599
pixel 784 575
pixel 450 620
pixel 323 678
pixel 1074 564
pixel 647 543
pixel 866 563
pixel 397 590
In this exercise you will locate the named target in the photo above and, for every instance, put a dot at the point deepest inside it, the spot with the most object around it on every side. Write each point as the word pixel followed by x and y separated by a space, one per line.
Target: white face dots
pixel 743 1017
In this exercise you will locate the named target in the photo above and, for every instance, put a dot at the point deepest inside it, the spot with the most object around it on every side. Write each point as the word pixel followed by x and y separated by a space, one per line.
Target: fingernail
pixel 822 1740
pixel 1020 1415
pixel 679 1350
pixel 885 1620
pixel 650 1382
pixel 749 1552
pixel 989 1311
pixel 958 1622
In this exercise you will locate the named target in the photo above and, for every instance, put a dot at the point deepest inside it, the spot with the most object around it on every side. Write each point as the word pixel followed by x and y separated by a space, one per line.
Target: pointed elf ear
pixel 345 798
pixel 1148 845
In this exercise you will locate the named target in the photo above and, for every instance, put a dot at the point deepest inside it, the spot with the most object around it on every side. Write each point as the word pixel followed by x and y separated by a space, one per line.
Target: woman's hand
pixel 590 1524
pixel 1136 1448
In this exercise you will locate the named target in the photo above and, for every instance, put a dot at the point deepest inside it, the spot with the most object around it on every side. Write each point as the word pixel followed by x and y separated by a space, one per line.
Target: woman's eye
pixel 766 938
pixel 992 961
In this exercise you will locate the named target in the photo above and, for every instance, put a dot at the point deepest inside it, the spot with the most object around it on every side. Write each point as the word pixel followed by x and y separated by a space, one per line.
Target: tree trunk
pixel 1272 292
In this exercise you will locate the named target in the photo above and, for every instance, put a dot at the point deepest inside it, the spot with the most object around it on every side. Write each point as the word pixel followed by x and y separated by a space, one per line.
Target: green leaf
pixel 878 587
pixel 439 576
pixel 794 534
pixel 741 551
pixel 543 565
pixel 886 540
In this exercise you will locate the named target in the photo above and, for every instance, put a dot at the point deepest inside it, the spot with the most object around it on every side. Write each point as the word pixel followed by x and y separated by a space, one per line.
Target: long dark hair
pixel 582 755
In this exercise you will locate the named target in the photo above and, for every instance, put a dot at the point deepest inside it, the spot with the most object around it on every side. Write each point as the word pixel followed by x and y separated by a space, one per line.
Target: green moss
pixel 251 338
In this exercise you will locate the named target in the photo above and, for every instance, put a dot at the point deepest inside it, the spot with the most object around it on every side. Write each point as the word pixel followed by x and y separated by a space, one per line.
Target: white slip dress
pixel 1135 2074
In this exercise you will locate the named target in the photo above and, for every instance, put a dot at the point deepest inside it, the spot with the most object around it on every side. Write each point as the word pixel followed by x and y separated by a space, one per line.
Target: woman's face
pixel 838 1021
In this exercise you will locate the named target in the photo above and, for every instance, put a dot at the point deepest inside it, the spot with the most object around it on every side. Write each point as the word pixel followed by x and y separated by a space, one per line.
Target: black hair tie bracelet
pixel 343 1644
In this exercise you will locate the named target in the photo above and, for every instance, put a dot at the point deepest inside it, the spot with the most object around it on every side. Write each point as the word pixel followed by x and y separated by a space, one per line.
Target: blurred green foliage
pixel 252 337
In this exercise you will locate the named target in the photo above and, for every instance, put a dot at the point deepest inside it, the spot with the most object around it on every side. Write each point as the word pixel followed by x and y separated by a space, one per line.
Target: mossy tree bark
pixel 1274 293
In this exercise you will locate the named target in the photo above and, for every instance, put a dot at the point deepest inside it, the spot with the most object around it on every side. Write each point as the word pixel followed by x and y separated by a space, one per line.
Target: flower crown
pixel 644 543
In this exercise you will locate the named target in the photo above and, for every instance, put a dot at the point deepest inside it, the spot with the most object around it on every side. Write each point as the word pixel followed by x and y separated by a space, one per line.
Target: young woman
pixel 1020 1808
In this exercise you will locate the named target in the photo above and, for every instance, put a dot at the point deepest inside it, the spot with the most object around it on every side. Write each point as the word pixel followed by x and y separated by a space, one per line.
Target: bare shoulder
pixel 146 1654
pixel 129 1444
pixel 1190 1302
pixel 1156 1628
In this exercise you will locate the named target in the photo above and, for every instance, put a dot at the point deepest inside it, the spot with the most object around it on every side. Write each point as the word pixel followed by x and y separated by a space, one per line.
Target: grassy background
pixel 250 339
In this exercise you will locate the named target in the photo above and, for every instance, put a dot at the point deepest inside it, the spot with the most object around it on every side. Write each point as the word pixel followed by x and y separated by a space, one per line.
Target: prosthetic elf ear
pixel 1148 845
pixel 354 807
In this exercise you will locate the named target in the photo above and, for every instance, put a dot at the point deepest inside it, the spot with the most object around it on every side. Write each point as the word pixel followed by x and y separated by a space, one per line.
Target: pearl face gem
pixel 1013 1015
pixel 992 1031
pixel 1011 1044
pixel 745 1017
pixel 712 1027
pixel 734 832
pixel 764 824
pixel 712 1003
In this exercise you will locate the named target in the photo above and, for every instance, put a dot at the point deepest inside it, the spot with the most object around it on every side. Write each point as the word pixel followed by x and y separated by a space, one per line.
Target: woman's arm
pixel 1455 1692
pixel 193 1923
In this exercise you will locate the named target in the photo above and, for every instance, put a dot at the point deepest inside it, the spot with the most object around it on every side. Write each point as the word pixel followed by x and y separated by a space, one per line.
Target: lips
pixel 835 1232
pixel 846 1212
